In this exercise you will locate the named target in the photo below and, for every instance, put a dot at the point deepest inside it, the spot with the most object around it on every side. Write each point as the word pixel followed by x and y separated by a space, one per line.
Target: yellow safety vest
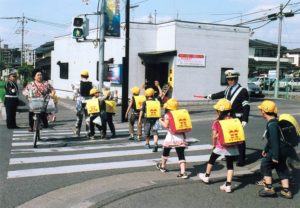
pixel 152 109
pixel 180 121
pixel 92 106
pixel 233 131
pixel 139 100
pixel 111 106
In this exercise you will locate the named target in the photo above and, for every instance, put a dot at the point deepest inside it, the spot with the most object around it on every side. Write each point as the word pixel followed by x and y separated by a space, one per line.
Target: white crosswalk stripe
pixel 60 152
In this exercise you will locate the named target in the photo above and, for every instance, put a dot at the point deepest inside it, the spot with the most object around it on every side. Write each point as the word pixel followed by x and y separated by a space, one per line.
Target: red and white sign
pixel 184 59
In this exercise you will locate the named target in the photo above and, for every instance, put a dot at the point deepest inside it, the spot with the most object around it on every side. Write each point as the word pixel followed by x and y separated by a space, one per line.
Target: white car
pixel 291 84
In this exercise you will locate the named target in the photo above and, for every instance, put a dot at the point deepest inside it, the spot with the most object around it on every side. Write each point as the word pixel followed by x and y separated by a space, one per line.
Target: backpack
pixel 230 132
pixel 179 121
pixel 289 129
pixel 85 88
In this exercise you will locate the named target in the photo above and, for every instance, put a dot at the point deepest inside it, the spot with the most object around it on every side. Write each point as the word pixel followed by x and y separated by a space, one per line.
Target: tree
pixel 25 72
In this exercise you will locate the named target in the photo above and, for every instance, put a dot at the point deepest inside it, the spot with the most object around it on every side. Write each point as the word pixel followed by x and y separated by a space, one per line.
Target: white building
pixel 190 56
pixel 294 56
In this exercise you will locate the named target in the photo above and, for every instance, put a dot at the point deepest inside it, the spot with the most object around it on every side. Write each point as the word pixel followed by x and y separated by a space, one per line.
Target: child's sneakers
pixel 225 188
pixel 267 192
pixel 155 148
pixel 286 194
pixel 203 178
pixel 183 175
pixel 158 166
pixel 147 146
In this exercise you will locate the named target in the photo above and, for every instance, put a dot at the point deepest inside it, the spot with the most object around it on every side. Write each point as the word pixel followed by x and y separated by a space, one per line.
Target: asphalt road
pixel 17 189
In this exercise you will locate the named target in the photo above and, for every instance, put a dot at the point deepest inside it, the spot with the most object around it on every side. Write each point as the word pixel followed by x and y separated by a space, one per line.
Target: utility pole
pixel 22 32
pixel 280 16
pixel 101 44
pixel 155 13
pixel 125 70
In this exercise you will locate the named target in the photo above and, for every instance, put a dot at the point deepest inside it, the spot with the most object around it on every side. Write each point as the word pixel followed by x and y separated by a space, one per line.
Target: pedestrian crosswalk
pixel 61 152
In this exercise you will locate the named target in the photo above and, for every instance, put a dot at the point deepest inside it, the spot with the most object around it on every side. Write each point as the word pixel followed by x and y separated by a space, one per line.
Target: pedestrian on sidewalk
pixel 38 88
pixel 81 94
pixel 274 154
pixel 223 108
pixel 151 112
pixel 95 113
pixel 11 100
pixel 110 110
pixel 133 110
pixel 239 98
pixel 172 140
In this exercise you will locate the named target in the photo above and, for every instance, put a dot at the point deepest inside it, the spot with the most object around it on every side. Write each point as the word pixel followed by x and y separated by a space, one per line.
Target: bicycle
pixel 38 106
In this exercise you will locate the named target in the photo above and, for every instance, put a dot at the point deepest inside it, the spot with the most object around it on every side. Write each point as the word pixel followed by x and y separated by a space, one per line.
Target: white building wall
pixel 223 46
pixel 166 37
pixel 81 56
pixel 142 39
pixel 295 58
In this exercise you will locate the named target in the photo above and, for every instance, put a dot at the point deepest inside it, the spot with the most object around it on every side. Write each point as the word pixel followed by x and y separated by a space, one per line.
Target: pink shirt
pixel 38 88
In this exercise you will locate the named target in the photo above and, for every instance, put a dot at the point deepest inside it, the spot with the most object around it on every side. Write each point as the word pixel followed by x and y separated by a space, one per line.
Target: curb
pixel 89 194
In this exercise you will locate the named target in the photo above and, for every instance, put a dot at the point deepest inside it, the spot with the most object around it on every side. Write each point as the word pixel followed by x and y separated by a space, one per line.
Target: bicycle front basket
pixel 36 104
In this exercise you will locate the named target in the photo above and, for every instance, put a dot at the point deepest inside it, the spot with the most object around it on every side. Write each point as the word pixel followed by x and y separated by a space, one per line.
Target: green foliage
pixel 25 71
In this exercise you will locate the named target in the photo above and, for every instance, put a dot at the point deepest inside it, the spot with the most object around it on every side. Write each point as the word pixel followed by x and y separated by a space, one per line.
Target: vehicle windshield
pixel 287 79
pixel 253 79
pixel 252 85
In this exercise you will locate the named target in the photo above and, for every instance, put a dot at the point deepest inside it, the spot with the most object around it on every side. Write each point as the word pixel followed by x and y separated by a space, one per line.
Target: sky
pixel 61 12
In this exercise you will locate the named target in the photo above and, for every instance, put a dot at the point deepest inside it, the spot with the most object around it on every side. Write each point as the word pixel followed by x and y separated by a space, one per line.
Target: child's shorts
pixel 148 127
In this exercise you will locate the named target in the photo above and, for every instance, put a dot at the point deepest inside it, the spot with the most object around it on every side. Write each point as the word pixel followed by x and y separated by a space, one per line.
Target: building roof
pixel 157 53
pixel 296 50
pixel 45 48
pixel 256 43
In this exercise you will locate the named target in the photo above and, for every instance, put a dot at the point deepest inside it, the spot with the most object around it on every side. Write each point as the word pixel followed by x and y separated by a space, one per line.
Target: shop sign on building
pixel 184 59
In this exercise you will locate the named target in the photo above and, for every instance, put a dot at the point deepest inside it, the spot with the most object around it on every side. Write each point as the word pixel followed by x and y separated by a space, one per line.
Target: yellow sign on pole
pixel 171 78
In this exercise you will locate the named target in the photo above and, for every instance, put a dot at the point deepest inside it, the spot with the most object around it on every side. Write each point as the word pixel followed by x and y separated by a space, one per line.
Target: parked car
pixel 263 82
pixel 254 90
pixel 289 83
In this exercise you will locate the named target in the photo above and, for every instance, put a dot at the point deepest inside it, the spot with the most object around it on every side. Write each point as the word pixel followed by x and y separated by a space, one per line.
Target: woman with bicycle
pixel 37 89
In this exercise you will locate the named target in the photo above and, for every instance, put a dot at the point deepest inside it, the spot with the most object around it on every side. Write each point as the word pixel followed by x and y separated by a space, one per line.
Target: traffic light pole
pixel 125 72
pixel 101 45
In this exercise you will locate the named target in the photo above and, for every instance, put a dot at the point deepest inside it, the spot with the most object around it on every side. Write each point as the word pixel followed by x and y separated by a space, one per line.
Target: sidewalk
pixel 103 191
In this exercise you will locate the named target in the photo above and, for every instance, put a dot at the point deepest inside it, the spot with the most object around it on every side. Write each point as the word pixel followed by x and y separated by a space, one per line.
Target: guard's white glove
pixel 244 124
pixel 208 97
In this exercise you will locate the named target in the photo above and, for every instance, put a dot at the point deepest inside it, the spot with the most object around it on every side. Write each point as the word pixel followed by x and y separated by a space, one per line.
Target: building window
pixel 223 77
pixel 64 70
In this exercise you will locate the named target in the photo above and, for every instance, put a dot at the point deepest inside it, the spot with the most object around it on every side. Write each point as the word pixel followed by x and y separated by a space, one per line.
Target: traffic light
pixel 80 27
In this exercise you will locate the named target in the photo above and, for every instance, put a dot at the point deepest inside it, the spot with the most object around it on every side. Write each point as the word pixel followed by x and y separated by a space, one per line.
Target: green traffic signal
pixel 78 33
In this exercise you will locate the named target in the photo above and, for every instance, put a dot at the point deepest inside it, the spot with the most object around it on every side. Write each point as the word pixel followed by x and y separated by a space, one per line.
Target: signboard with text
pixel 184 59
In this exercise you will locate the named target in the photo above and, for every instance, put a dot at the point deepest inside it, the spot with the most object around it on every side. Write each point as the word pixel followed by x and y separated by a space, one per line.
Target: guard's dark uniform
pixel 11 103
pixel 240 109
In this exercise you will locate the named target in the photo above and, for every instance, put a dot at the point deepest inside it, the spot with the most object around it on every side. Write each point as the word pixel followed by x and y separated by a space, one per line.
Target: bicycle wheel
pixel 36 126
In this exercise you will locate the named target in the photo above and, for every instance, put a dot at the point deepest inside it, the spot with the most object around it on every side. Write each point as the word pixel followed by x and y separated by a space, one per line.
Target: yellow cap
pixel 171 104
pixel 223 105
pixel 135 90
pixel 268 106
pixel 149 92
pixel 94 91
pixel 84 73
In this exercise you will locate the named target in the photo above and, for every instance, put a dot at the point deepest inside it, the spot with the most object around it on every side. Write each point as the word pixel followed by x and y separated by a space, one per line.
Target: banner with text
pixel 184 59
pixel 112 18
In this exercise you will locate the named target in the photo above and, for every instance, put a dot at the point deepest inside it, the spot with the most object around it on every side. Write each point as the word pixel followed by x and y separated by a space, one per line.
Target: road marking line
pixel 97 166
pixel 85 148
pixel 119 153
